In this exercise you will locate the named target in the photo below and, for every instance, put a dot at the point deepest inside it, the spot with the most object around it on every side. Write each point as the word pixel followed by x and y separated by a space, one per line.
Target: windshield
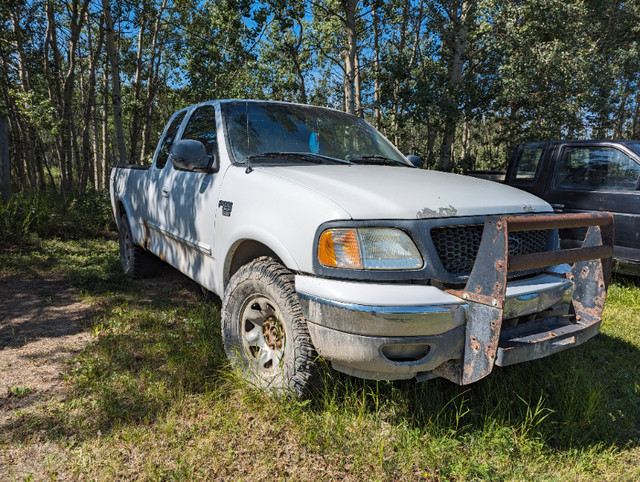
pixel 254 129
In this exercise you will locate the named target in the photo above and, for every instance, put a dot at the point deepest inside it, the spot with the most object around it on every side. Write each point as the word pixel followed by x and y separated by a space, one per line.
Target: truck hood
pixel 385 192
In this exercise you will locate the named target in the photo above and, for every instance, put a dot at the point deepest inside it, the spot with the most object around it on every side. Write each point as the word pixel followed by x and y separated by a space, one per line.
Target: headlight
pixel 368 248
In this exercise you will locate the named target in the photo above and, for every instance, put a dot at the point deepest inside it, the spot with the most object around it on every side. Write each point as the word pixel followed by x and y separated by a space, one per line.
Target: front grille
pixel 457 246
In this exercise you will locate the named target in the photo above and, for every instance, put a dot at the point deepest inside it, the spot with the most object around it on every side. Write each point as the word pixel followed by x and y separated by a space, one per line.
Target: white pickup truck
pixel 321 238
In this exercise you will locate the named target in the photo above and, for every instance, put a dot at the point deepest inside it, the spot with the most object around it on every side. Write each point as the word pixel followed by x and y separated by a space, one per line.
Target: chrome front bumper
pixel 389 331
pixel 363 331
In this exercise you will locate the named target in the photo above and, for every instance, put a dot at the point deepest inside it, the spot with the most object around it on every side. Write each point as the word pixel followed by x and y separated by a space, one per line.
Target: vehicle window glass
pixel 597 169
pixel 528 162
pixel 202 127
pixel 168 139
pixel 255 128
pixel 635 147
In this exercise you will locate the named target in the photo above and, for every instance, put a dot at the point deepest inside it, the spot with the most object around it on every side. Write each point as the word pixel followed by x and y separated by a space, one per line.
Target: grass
pixel 46 214
pixel 153 398
pixel 19 391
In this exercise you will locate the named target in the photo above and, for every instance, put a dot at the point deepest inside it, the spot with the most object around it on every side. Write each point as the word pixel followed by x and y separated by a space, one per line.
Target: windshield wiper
pixel 294 156
pixel 380 160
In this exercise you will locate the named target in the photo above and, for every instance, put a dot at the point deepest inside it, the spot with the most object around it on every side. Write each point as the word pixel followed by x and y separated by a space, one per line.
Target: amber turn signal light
pixel 339 248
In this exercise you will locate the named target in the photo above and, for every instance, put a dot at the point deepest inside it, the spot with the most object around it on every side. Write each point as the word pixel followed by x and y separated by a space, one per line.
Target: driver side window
pixel 597 169
pixel 202 127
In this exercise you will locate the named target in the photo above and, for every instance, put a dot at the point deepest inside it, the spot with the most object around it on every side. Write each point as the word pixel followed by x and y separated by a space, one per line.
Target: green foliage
pixel 46 214
pixel 19 391
pixel 152 397
pixel 472 78
pixel 220 48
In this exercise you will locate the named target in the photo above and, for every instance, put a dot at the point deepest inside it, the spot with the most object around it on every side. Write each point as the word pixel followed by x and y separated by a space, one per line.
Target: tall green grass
pixel 48 215
pixel 153 398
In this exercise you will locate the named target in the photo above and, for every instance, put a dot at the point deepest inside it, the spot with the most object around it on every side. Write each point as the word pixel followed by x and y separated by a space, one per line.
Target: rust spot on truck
pixel 487 342
pixel 443 212
pixel 147 235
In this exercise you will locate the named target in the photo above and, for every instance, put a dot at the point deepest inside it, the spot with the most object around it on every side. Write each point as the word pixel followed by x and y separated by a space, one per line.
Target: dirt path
pixel 40 331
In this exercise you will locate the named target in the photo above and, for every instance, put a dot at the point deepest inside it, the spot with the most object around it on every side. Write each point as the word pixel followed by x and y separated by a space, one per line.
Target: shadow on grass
pixel 33 309
pixel 579 398
pixel 159 341
pixel 583 397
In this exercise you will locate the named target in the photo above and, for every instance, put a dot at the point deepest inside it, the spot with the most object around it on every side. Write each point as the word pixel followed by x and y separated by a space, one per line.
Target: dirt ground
pixel 41 329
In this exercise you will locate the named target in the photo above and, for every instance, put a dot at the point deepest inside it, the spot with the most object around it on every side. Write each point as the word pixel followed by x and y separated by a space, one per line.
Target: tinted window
pixel 255 128
pixel 528 162
pixel 597 169
pixel 202 127
pixel 168 139
pixel 635 147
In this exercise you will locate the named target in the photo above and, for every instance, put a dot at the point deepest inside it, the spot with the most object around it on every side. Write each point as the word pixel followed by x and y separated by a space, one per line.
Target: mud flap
pixel 486 343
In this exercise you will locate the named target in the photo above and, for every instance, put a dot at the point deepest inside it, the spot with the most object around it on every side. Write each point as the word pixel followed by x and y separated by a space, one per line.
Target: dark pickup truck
pixel 580 176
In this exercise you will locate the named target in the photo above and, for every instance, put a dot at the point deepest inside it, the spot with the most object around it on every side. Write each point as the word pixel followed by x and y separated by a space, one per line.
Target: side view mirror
pixel 415 160
pixel 191 155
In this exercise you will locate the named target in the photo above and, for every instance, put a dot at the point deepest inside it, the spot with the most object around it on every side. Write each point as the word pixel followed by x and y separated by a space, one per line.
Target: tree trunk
pixel 134 153
pixel 431 142
pixel 68 121
pixel 622 114
pixel 455 47
pixel 152 86
pixel 350 7
pixel 377 116
pixel 32 164
pixel 89 151
pixel 358 89
pixel 635 127
pixel 395 110
pixel 54 85
pixel 116 96
pixel 293 50
pixel 466 134
pixel 104 169
pixel 5 167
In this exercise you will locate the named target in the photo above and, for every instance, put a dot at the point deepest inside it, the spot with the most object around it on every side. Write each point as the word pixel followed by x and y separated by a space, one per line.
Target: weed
pixel 18 391
pixel 47 214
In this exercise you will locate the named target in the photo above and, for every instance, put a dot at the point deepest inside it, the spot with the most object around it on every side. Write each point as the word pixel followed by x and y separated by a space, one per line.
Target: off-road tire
pixel 136 261
pixel 274 351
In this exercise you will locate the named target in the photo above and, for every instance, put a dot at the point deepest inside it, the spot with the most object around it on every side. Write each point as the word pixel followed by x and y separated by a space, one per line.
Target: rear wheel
pixel 264 333
pixel 136 261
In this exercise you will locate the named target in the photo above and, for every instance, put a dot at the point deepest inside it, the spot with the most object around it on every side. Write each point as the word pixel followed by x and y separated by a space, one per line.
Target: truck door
pixel 191 204
pixel 599 178
pixel 158 189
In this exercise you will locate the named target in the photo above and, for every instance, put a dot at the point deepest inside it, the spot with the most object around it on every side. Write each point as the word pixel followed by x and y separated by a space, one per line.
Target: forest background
pixel 87 84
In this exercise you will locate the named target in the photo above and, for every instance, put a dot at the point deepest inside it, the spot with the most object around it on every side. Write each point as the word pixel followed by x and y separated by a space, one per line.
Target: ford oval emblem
pixel 513 243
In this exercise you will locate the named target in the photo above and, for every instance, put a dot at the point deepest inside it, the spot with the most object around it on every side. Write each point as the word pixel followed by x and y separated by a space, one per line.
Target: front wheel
pixel 264 333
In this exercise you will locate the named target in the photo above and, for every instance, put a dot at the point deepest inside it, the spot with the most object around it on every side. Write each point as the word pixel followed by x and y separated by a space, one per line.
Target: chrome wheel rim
pixel 262 333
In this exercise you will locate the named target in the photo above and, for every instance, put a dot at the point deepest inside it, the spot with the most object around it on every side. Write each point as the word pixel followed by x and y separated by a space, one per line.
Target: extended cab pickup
pixel 321 238
pixel 583 176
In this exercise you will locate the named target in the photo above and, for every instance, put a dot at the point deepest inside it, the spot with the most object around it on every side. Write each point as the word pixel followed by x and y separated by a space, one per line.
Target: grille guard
pixel 485 294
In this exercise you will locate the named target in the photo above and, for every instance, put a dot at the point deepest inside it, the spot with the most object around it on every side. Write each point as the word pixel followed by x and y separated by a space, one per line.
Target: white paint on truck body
pixel 176 214
pixel 197 221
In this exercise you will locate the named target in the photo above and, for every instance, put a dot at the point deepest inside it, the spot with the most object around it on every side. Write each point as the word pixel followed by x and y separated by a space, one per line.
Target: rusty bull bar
pixel 486 343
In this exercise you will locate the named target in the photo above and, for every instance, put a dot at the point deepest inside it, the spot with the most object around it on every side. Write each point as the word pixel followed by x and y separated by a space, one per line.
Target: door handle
pixel 165 191
pixel 557 206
